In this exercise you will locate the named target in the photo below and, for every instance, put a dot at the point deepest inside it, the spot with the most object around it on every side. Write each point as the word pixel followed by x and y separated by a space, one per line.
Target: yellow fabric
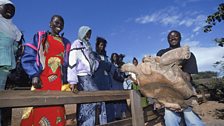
pixel 26 112
pixel 66 87
pixel 32 88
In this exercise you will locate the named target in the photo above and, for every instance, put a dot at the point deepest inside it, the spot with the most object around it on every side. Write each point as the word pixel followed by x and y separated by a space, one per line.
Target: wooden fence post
pixel 136 109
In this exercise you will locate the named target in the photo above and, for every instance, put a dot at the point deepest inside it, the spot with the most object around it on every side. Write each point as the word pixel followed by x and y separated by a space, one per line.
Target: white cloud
pixel 196 29
pixel 147 18
pixel 159 16
pixel 187 22
pixel 170 20
pixel 185 2
pixel 173 16
pixel 207 56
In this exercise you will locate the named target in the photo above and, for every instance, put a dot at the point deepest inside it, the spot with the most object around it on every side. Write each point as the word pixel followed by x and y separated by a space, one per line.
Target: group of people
pixel 90 70
pixel 51 60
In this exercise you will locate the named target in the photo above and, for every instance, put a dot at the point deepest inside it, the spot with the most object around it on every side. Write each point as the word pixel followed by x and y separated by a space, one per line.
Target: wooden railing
pixel 25 98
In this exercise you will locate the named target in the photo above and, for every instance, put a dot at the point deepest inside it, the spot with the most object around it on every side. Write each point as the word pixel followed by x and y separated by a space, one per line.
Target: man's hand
pixel 36 82
pixel 74 88
pixel 157 106
pixel 134 80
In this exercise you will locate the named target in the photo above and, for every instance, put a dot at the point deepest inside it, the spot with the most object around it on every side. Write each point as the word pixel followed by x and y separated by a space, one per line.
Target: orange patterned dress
pixel 53 54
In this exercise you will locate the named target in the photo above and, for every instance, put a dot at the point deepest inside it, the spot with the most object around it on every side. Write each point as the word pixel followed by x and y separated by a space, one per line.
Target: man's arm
pixel 190 65
pixel 162 51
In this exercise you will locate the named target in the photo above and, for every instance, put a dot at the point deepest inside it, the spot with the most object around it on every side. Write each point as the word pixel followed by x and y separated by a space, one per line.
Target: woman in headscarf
pixel 82 65
pixel 9 36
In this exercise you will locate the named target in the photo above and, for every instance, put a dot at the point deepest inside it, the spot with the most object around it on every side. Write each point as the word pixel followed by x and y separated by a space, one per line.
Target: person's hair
pixel 134 59
pixel 98 41
pixel 57 16
pixel 111 58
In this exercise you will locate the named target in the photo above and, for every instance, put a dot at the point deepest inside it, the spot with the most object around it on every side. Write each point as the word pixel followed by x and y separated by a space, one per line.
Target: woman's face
pixel 57 25
pixel 88 35
pixel 101 46
pixel 135 62
pixel 7 11
pixel 115 57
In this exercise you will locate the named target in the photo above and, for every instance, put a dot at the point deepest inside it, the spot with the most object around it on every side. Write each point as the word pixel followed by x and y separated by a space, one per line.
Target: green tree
pixel 211 21
pixel 220 65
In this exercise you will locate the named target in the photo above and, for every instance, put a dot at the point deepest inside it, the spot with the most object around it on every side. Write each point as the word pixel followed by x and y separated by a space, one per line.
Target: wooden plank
pixel 21 88
pixel 149 113
pixel 24 98
pixel 149 117
pixel 123 122
pixel 136 109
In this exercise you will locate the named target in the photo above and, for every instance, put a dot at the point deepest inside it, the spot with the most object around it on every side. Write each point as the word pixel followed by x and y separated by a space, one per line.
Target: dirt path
pixel 212 113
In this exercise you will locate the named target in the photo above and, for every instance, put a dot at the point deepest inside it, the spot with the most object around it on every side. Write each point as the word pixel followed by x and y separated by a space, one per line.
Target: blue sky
pixel 132 27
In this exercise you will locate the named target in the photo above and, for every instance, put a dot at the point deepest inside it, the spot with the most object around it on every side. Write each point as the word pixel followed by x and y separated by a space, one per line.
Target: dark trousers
pixel 6 116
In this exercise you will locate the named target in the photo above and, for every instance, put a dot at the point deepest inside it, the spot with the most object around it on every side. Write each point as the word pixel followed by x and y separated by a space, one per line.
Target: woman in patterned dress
pixel 50 77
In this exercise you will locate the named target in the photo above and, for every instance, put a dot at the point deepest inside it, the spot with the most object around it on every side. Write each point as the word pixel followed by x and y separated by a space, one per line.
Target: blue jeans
pixel 86 112
pixel 173 118
pixel 3 78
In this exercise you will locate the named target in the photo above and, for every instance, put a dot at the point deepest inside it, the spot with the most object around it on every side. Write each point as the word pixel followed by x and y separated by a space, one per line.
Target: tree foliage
pixel 220 65
pixel 208 82
pixel 211 21
pixel 206 74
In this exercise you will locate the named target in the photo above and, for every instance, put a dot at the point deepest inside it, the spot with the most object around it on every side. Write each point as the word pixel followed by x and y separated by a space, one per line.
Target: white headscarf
pixel 7 27
pixel 2 2
pixel 82 33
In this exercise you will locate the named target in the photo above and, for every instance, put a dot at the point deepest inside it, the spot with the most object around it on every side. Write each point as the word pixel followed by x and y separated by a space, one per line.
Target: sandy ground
pixel 211 112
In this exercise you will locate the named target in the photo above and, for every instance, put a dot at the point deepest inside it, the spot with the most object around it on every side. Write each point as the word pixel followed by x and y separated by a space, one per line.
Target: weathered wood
pixel 21 88
pixel 10 98
pixel 21 98
pixel 136 109
pixel 149 114
pixel 123 122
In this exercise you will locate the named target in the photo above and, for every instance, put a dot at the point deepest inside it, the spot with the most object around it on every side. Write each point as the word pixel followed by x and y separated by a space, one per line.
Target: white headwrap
pixel 2 2
pixel 7 27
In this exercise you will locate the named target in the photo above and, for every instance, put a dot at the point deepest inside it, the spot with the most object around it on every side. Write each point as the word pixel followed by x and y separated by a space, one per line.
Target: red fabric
pixel 55 115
